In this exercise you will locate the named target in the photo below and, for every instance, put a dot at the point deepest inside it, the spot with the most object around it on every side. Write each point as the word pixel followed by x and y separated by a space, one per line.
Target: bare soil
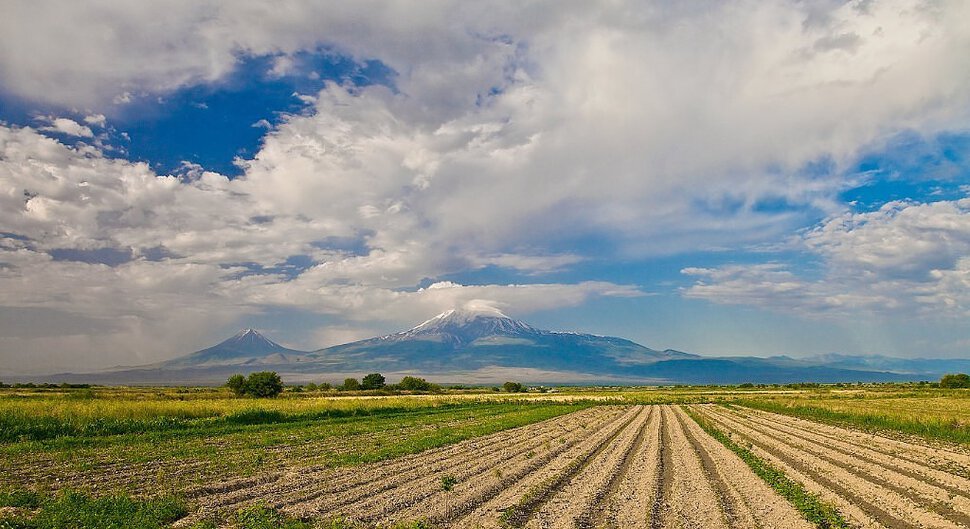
pixel 875 481
pixel 611 466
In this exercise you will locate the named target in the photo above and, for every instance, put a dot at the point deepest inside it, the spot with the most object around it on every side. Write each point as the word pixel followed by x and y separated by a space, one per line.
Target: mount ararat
pixel 486 346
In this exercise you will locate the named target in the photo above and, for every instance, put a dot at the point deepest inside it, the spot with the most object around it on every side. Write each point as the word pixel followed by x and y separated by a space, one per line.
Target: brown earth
pixel 609 466
pixel 875 481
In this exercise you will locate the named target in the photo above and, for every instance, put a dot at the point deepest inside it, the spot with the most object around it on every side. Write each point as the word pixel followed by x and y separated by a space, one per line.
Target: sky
pixel 727 178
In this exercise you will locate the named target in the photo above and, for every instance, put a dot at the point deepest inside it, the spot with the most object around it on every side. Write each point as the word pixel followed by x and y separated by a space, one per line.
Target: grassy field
pixel 140 452
pixel 931 413
pixel 147 445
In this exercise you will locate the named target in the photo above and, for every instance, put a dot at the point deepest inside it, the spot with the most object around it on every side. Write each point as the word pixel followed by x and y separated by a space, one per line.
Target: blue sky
pixel 735 179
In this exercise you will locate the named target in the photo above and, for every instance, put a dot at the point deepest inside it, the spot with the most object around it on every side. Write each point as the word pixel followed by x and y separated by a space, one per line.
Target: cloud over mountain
pixel 525 142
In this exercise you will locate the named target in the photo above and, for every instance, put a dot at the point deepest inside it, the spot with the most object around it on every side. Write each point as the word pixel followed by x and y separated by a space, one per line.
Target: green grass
pixel 230 448
pixel 926 421
pixel 76 510
pixel 20 498
pixel 809 505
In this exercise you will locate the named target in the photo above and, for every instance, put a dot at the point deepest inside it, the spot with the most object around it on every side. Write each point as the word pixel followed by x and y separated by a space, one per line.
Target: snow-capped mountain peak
pixel 465 325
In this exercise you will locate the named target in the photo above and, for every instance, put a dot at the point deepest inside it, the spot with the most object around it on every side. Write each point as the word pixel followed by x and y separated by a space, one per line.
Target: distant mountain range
pixel 486 346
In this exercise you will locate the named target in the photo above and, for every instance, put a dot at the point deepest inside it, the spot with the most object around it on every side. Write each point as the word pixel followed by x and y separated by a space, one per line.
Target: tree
pixel 961 380
pixel 263 384
pixel 416 384
pixel 350 384
pixel 236 383
pixel 372 381
pixel 513 387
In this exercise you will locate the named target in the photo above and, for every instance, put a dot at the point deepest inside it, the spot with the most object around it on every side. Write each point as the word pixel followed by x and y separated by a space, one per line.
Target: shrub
pixel 416 384
pixel 513 387
pixel 263 384
pixel 236 383
pixel 259 384
pixel 350 384
pixel 960 380
pixel 372 381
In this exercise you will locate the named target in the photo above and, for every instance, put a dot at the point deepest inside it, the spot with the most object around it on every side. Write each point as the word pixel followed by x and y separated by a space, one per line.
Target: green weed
pixel 76 510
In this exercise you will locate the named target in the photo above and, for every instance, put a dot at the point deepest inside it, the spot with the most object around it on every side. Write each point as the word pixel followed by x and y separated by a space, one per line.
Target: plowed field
pixel 874 481
pixel 624 467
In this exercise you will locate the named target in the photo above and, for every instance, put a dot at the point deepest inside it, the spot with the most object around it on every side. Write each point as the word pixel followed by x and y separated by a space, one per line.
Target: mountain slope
pixel 463 339
pixel 486 346
pixel 247 347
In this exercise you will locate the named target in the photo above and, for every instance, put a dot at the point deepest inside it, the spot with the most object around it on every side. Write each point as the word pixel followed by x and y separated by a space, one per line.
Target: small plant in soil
pixel 448 482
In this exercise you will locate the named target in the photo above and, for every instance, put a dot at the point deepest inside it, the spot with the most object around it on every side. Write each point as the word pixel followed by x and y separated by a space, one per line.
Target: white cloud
pixel 905 259
pixel 69 127
pixel 526 137
pixel 97 120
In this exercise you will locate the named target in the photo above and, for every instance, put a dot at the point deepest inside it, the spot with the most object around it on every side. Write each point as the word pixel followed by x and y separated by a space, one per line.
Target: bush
pixel 417 384
pixel 236 384
pixel 259 384
pixel 960 380
pixel 350 384
pixel 513 387
pixel 264 384
pixel 372 381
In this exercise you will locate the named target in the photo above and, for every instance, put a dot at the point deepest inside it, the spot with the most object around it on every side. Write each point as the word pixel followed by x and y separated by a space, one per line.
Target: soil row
pixel 873 480
pixel 620 467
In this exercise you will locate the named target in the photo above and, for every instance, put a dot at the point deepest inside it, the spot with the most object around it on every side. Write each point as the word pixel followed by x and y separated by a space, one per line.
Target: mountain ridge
pixel 486 346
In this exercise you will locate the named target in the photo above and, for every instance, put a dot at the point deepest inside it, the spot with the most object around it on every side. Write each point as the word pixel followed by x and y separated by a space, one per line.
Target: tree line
pixel 269 384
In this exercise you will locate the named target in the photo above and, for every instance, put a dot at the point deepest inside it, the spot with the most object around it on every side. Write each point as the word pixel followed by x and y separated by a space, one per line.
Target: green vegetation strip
pixel 75 510
pixel 950 430
pixel 24 428
pixel 812 508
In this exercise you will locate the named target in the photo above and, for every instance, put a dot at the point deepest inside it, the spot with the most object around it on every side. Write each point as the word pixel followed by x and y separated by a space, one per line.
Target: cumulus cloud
pixel 514 136
pixel 68 127
pixel 906 259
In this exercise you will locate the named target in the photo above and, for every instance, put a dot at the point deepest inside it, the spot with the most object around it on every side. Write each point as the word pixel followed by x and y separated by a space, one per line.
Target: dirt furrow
pixel 757 505
pixel 885 505
pixel 735 511
pixel 948 467
pixel 920 492
pixel 693 501
pixel 629 505
pixel 942 492
pixel 476 498
pixel 460 467
pixel 665 477
pixel 602 512
pixel 386 507
pixel 572 505
pixel 313 482
pixel 508 504
pixel 419 484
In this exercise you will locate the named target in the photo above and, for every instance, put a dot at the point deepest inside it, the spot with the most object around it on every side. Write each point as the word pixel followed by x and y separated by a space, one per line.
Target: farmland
pixel 584 457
